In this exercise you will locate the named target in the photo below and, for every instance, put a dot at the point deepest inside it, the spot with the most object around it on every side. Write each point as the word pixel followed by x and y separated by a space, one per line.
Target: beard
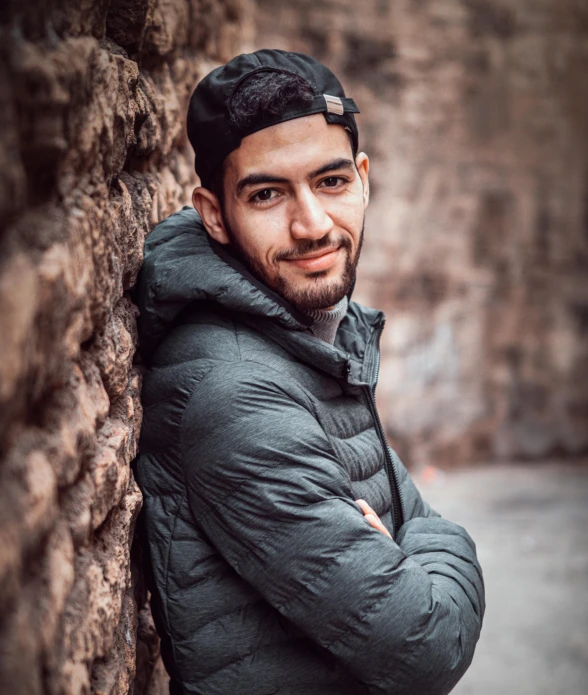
pixel 319 295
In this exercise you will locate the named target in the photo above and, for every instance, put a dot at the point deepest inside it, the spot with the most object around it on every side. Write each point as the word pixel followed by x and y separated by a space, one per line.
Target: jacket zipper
pixel 397 509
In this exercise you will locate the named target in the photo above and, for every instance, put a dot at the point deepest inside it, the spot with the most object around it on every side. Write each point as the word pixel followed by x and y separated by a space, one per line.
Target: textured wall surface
pixel 92 154
pixel 475 116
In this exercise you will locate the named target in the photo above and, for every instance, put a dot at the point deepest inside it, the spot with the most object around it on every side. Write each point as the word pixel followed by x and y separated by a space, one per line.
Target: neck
pixel 326 321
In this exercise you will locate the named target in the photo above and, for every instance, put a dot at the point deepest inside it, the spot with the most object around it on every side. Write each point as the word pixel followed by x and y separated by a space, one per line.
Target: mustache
pixel 307 246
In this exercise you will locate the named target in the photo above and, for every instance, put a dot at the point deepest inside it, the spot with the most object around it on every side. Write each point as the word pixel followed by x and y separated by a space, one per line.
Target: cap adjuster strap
pixel 334 104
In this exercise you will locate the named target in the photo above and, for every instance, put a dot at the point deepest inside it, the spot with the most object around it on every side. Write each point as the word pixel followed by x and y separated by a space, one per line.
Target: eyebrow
pixel 338 164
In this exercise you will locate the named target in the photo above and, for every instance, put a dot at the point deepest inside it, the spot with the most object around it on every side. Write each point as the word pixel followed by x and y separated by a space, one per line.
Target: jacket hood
pixel 183 264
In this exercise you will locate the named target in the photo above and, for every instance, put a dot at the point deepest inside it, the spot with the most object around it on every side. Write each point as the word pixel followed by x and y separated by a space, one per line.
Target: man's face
pixel 294 209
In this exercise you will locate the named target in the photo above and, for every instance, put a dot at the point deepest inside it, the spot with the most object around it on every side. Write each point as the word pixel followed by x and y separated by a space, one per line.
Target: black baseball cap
pixel 209 118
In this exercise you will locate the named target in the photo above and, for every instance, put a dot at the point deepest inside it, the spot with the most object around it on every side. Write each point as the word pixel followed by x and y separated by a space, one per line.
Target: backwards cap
pixel 210 131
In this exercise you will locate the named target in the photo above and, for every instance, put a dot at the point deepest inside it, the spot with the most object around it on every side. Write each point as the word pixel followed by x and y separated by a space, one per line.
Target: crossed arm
pixel 403 615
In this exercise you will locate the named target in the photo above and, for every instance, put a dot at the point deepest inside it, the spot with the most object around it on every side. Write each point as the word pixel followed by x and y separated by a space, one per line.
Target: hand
pixel 372 517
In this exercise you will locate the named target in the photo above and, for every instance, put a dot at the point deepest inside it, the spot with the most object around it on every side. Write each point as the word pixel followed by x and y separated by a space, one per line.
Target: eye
pixel 263 195
pixel 333 181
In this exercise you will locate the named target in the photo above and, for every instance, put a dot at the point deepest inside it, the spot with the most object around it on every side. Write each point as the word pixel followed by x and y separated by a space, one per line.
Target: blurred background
pixel 475 116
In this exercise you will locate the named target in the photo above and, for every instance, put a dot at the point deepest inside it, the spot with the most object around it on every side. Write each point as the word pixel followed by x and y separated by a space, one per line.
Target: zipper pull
pixel 348 369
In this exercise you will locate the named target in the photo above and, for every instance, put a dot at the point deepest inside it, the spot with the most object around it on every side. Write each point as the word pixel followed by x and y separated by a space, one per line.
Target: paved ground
pixel 530 524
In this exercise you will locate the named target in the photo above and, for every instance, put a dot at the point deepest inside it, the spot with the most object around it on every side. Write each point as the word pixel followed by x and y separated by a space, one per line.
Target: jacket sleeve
pixel 403 616
pixel 423 535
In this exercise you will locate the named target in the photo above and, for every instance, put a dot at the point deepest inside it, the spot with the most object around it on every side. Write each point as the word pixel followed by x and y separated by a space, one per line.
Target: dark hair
pixel 265 93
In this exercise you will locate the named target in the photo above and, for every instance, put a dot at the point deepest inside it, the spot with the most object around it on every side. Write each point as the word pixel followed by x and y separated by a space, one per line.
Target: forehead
pixel 301 144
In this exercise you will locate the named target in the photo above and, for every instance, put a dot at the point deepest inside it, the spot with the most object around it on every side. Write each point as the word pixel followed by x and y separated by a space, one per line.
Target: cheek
pixel 349 216
pixel 263 235
pixel 349 207
pixel 255 240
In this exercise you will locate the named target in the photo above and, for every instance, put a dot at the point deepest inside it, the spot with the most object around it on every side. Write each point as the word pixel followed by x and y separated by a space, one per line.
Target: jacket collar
pixel 183 265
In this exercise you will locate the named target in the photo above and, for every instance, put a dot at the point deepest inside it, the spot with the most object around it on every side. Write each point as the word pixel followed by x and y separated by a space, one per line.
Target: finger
pixel 372 517
pixel 375 521
pixel 365 506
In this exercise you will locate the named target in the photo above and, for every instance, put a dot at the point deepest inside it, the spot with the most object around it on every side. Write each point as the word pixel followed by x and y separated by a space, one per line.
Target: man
pixel 288 549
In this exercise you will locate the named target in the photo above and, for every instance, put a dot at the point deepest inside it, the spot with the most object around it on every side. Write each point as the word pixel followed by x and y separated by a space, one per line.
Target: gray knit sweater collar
pixel 326 322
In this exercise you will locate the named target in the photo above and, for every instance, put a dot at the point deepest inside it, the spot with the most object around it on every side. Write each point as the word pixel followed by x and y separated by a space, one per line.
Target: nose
pixel 309 219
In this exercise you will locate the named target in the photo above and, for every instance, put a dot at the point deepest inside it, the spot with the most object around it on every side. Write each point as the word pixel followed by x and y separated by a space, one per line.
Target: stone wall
pixel 475 116
pixel 92 154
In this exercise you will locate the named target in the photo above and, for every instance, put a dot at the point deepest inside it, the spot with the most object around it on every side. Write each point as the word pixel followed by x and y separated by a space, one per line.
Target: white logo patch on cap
pixel 334 104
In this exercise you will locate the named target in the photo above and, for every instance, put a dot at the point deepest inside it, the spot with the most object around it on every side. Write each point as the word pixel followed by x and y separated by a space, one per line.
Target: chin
pixel 314 295
pixel 316 290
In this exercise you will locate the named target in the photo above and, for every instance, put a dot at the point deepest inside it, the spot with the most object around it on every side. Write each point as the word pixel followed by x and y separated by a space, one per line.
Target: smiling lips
pixel 321 260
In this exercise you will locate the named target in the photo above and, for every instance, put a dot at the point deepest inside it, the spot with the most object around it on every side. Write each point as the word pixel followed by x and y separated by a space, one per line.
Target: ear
pixel 210 211
pixel 362 163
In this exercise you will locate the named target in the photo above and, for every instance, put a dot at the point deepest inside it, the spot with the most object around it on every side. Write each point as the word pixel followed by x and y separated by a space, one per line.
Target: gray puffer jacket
pixel 257 439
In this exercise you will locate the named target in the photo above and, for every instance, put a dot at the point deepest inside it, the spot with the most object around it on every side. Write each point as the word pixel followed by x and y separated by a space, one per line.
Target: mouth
pixel 319 260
